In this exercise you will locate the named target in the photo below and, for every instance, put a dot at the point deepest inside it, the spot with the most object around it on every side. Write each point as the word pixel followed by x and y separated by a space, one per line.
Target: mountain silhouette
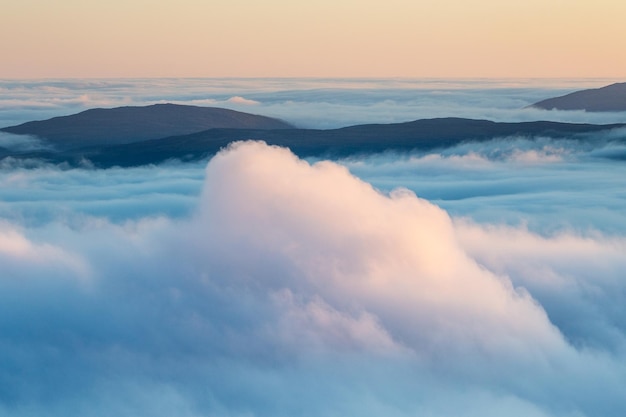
pixel 97 127
pixel 606 99
pixel 425 134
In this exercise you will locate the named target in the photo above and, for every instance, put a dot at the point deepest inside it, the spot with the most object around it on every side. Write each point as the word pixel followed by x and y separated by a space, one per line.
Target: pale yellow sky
pixel 322 38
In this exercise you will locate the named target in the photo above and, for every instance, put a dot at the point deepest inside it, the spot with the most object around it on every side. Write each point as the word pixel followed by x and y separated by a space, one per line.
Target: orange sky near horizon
pixel 325 38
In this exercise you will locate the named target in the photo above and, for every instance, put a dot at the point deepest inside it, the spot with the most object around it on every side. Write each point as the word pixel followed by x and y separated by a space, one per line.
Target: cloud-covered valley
pixel 306 103
pixel 424 284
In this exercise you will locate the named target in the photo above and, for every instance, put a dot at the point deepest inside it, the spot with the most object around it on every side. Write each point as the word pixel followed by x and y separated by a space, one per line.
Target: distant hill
pixel 605 99
pixel 97 127
pixel 427 134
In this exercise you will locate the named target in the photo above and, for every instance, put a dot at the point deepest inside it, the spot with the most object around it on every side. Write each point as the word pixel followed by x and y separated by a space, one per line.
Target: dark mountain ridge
pixel 426 134
pixel 611 98
pixel 98 127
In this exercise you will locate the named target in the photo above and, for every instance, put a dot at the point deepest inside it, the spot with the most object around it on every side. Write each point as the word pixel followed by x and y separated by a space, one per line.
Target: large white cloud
pixel 294 288
pixel 392 255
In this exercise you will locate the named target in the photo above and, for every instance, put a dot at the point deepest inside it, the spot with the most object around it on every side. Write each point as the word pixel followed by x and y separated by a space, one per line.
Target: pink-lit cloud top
pixel 280 38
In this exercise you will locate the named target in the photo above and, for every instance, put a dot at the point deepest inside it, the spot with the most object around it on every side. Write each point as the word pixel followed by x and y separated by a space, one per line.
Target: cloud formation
pixel 308 103
pixel 546 184
pixel 21 143
pixel 297 288
pixel 394 255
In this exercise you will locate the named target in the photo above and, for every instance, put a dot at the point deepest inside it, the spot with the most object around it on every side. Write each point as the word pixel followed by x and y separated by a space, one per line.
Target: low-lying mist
pixel 307 103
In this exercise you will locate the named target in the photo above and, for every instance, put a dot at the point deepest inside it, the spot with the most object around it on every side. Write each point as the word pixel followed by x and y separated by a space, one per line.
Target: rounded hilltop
pixel 611 98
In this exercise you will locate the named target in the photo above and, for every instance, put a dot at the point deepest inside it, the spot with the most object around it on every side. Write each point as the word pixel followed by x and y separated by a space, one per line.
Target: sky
pixel 339 38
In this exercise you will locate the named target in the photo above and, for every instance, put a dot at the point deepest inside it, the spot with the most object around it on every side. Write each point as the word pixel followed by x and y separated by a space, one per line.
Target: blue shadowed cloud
pixel 288 288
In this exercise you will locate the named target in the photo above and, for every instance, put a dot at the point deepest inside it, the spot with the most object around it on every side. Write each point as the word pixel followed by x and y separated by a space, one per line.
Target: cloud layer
pixel 310 103
pixel 546 184
pixel 285 287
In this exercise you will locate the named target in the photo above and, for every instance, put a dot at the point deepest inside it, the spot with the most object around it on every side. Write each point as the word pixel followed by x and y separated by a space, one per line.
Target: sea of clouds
pixel 481 280
pixel 307 103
